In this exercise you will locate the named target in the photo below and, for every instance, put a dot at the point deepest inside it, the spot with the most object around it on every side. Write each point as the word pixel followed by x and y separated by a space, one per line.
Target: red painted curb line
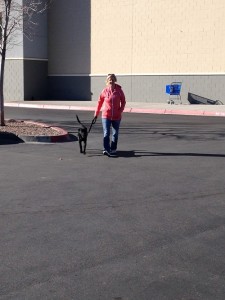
pixel 147 111
pixel 128 110
pixel 179 112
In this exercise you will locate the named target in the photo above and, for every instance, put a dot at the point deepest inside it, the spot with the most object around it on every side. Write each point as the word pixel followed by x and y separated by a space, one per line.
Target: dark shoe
pixel 106 153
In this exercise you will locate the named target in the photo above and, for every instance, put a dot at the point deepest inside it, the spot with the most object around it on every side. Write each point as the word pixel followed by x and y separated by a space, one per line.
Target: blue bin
pixel 173 89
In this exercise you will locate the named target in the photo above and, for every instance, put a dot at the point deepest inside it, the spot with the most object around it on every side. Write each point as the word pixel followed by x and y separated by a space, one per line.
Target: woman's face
pixel 110 80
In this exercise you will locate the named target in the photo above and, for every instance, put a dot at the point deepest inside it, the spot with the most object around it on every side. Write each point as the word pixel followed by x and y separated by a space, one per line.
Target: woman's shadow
pixel 142 153
pixel 128 153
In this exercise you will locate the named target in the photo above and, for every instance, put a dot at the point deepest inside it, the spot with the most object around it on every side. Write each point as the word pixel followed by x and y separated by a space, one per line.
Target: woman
pixel 112 101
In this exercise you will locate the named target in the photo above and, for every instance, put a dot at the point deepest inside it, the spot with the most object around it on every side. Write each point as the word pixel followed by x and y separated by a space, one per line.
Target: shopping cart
pixel 173 90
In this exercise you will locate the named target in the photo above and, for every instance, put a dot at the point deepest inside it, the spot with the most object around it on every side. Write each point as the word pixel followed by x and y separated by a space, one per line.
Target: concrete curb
pixel 49 106
pixel 44 139
pixel 63 135
pixel 165 111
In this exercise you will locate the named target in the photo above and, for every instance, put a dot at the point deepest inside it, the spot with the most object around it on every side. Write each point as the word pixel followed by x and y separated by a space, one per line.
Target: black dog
pixel 83 134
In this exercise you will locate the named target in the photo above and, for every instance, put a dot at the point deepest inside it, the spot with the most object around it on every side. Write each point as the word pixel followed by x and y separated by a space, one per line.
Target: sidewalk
pixel 131 107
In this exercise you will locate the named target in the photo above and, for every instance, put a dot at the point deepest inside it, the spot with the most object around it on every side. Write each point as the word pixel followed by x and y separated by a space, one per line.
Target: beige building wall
pixel 157 36
pixel 147 43
pixel 69 37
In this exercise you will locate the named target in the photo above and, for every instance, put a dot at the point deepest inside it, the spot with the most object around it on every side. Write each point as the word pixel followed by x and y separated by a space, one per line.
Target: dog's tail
pixel 78 120
pixel 92 122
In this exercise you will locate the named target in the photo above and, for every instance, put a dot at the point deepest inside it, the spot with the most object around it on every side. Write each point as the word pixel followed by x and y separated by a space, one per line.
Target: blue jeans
pixel 106 124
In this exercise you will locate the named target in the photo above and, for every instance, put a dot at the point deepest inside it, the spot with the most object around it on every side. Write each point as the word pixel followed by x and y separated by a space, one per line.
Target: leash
pixel 92 122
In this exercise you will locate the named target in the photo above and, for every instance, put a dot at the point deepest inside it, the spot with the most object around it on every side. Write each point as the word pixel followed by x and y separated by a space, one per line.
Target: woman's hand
pixel 94 120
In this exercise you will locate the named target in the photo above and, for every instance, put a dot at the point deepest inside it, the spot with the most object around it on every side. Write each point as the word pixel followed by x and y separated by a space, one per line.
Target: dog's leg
pixel 82 137
pixel 85 145
pixel 80 144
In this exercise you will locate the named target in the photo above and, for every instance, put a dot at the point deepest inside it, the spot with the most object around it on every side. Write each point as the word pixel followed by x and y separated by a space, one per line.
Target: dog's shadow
pixel 73 137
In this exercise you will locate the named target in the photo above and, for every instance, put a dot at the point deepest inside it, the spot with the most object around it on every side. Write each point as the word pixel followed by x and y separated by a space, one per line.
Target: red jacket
pixel 112 103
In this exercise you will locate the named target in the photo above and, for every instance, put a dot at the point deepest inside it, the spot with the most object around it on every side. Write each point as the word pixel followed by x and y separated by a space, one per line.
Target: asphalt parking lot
pixel 147 224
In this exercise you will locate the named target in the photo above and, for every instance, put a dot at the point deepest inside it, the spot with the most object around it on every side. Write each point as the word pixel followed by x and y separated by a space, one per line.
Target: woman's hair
pixel 112 76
